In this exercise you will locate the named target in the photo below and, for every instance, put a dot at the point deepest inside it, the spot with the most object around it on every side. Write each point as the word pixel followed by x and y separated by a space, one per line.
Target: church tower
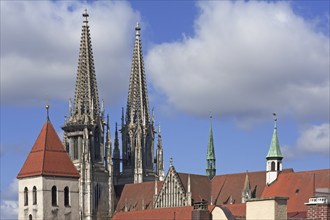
pixel 137 127
pixel 274 157
pixel 84 136
pixel 48 180
pixel 210 155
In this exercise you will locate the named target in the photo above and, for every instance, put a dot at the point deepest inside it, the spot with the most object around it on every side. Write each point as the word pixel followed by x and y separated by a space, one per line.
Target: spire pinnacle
pixel 274 149
pixel 137 102
pixel 86 100
pixel 159 133
pixel 137 29
pixel 85 15
pixel 47 111
pixel 210 155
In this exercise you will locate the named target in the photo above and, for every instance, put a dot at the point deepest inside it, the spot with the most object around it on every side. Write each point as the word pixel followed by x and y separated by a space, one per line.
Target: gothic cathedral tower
pixel 84 137
pixel 137 126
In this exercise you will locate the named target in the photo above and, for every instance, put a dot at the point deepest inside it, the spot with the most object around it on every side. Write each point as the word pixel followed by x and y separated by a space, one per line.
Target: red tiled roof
pixel 299 187
pixel 183 212
pixel 231 185
pixel 134 196
pixel 48 157
pixel 237 210
pixel 156 214
pixel 199 186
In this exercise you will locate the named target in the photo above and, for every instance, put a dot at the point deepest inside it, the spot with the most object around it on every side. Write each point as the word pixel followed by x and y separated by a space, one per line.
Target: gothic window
pixel 75 148
pixel 26 196
pixel 272 166
pixel 97 195
pixel 66 196
pixel 54 196
pixel 34 195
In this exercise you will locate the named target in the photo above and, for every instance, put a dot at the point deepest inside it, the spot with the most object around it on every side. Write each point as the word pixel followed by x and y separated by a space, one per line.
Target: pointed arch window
pixel 272 166
pixel 34 195
pixel 97 195
pixel 66 196
pixel 26 196
pixel 54 196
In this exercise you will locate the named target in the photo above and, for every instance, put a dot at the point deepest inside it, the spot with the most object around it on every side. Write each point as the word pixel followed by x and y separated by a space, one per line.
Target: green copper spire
pixel 210 155
pixel 274 150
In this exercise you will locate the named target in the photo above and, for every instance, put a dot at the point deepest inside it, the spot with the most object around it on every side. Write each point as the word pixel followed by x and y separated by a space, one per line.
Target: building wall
pixel 35 210
pixel 266 208
pixel 318 211
pixel 218 213
pixel 44 209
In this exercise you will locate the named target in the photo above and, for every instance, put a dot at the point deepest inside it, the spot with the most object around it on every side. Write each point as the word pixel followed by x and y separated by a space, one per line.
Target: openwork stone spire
pixel 137 128
pixel 137 102
pixel 86 101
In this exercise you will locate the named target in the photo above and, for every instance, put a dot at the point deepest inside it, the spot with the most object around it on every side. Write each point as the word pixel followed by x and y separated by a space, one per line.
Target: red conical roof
pixel 48 157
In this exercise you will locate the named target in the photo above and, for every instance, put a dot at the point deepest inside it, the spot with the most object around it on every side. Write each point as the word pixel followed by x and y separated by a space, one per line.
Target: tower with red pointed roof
pixel 84 137
pixel 48 180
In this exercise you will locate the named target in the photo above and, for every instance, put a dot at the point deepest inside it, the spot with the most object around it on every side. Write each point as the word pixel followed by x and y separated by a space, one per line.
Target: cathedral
pixel 87 175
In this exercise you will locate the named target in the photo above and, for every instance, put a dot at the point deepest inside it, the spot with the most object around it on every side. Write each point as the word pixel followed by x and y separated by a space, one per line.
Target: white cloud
pixel 314 139
pixel 40 44
pixel 9 209
pixel 9 203
pixel 246 60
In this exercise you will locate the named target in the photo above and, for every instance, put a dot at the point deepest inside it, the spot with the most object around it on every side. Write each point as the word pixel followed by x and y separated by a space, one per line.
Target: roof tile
pixel 48 157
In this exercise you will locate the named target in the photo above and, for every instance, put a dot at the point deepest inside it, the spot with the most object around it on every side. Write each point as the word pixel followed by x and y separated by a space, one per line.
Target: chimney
pixel 318 206
pixel 267 208
pixel 200 211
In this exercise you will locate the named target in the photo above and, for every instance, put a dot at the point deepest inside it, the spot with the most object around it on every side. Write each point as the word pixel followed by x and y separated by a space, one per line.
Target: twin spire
pixel 86 101
pixel 137 102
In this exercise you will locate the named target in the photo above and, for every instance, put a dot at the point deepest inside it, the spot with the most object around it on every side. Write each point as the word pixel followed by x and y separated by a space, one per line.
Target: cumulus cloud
pixel 246 60
pixel 313 139
pixel 9 203
pixel 40 44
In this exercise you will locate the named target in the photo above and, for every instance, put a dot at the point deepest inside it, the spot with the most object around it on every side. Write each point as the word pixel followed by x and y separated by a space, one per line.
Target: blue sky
pixel 242 61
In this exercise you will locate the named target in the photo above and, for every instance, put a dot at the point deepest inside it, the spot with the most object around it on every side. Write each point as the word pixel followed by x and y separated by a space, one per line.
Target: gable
pixel 172 193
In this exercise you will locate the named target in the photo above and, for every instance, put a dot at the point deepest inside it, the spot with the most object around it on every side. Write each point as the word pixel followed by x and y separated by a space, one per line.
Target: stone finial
pixel 137 29
pixel 85 14
pixel 47 111
pixel 275 119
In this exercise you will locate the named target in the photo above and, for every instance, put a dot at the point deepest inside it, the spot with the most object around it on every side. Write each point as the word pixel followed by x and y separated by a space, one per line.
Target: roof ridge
pixel 44 148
